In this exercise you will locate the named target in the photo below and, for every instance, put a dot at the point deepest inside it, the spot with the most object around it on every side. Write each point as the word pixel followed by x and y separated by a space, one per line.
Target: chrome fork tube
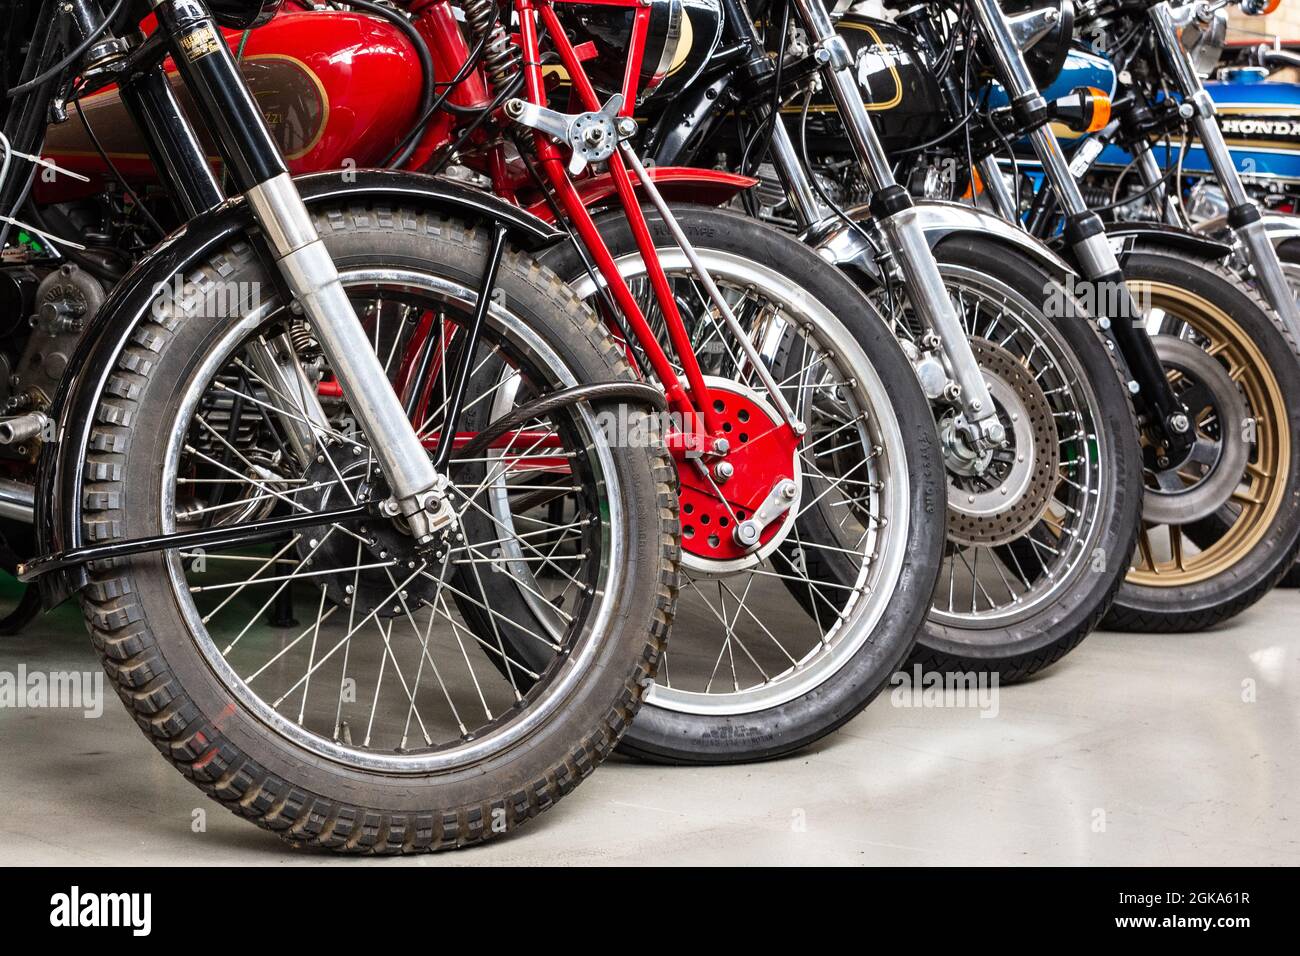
pixel 1086 234
pixel 808 208
pixel 311 276
pixel 1004 202
pixel 893 209
pixel 1243 214
pixel 1096 258
pixel 276 363
pixel 1149 174
pixel 258 170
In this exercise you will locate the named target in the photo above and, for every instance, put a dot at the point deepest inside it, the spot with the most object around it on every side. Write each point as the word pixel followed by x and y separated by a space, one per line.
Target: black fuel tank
pixel 897 85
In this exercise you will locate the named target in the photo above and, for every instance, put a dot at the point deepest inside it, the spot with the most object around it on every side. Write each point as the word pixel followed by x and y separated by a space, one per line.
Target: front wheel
pixel 1038 531
pixel 1221 527
pixel 777 646
pixel 329 686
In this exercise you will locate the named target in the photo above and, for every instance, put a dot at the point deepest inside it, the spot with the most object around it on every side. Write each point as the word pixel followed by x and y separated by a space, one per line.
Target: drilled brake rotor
pixel 1004 493
pixel 762 456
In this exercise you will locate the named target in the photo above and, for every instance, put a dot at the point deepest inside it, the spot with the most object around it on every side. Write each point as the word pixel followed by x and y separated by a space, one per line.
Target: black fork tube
pixel 456 402
pixel 152 105
pixel 25 124
pixel 757 69
pixel 209 70
pixel 173 147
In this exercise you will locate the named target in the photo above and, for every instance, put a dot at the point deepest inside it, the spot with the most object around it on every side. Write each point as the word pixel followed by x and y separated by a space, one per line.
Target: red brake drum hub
pixel 762 455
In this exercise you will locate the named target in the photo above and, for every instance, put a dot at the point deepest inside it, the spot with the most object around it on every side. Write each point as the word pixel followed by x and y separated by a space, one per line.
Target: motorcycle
pixel 235 420
pixel 849 541
pixel 856 543
pixel 1011 598
pixel 1245 155
pixel 1212 370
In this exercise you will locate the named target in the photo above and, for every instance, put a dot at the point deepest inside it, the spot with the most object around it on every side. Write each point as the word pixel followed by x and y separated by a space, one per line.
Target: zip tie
pixel 41 233
pixel 42 161
pixel 38 160
pixel 9 154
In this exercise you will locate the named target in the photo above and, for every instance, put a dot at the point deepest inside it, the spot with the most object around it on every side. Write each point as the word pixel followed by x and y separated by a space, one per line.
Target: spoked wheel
pixel 1035 527
pixel 1221 526
pixel 385 719
pixel 781 639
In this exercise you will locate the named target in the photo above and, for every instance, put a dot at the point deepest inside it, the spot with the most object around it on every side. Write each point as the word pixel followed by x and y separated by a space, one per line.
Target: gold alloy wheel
pixel 1177 555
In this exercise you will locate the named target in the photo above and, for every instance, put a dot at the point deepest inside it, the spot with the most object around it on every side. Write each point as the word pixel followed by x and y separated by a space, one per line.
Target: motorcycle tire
pixel 1250 542
pixel 310 785
pixel 973 627
pixel 702 727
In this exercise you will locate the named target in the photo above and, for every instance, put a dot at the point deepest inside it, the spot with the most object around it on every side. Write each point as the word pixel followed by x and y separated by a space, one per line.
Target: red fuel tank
pixel 337 90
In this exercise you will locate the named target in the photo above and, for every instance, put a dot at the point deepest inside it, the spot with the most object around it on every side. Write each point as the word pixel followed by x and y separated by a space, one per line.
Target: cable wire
pixel 72 57
pixel 99 148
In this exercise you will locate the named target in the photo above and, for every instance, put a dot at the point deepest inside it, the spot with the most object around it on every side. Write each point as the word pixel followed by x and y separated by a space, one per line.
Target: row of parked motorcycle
pixel 423 399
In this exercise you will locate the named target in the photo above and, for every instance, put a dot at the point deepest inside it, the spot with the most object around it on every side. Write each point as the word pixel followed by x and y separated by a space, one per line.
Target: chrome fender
pixel 844 246
pixel 1280 226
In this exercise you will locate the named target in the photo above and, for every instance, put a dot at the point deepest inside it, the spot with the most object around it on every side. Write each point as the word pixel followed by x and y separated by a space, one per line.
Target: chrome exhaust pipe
pixel 17 500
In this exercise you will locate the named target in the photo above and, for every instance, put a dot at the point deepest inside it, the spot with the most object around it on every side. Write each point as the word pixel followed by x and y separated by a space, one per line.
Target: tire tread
pixel 193 743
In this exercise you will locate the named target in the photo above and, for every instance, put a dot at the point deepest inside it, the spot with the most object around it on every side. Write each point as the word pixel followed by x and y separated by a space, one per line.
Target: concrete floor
pixel 1137 749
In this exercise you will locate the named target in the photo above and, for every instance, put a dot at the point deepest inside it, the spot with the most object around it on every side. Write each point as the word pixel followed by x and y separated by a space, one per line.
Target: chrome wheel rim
pixel 728 673
pixel 986 587
pixel 513 713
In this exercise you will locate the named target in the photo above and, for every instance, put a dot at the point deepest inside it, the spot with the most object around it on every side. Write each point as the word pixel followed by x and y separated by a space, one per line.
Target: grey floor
pixel 1136 749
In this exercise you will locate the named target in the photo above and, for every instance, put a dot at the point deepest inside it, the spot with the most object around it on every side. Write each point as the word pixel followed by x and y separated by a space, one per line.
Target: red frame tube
pixel 437 24
pixel 696 402
pixel 435 20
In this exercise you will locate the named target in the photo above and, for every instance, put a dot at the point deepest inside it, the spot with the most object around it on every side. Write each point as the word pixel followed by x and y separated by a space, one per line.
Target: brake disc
pixel 1205 479
pixel 1001 494
pixel 764 458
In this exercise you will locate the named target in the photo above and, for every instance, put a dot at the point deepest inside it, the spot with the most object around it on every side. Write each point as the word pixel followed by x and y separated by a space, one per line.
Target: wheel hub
pixel 762 485
pixel 996 496
pixel 385 543
pixel 1205 479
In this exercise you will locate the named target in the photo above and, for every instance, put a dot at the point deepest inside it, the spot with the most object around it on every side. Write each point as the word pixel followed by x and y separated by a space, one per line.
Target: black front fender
pixel 1171 237
pixel 60 471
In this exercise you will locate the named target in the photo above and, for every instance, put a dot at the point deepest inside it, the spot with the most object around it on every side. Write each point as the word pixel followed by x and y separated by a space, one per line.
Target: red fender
pixel 710 187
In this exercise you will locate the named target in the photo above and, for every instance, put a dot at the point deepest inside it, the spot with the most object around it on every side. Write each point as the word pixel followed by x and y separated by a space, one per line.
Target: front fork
pixel 892 208
pixel 1243 214
pixel 1150 175
pixel 258 171
pixel 1086 235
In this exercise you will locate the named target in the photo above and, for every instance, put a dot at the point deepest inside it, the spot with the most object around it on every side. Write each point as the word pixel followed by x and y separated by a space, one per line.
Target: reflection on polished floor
pixel 1137 749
